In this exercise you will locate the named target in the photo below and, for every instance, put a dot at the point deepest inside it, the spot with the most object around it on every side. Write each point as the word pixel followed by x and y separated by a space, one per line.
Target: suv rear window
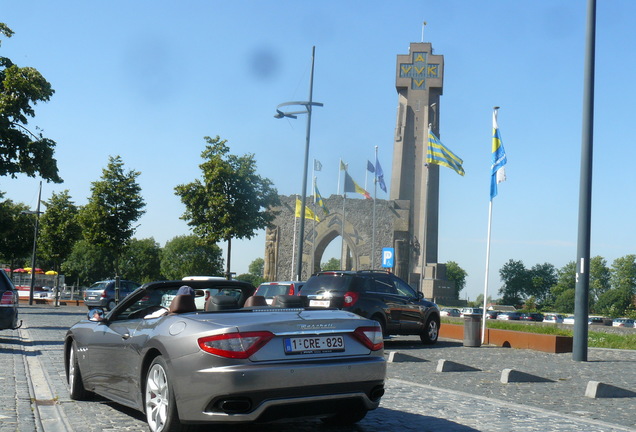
pixel 332 282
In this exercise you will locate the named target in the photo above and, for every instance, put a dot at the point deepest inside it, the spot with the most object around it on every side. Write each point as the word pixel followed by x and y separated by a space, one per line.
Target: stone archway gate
pixel 391 230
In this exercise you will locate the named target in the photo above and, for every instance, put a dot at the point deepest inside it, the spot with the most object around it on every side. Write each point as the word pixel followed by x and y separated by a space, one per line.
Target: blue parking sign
pixel 387 257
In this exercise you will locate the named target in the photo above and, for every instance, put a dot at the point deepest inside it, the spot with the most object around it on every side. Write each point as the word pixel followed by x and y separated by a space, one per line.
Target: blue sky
pixel 147 80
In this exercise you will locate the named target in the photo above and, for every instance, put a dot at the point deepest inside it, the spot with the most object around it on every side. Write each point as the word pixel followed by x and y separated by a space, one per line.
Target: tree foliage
pixel 231 200
pixel 88 263
pixel 189 256
pixel 456 274
pixel 516 279
pixel 332 264
pixel 542 278
pixel 141 261
pixel 115 204
pixel 16 233
pixel 59 229
pixel 22 151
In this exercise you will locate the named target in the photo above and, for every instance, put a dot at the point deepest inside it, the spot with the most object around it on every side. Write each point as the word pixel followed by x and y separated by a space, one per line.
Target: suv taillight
pixel 8 299
pixel 350 298
pixel 291 290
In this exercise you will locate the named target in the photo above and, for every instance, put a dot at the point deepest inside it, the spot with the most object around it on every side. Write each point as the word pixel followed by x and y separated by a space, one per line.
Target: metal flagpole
pixel 483 324
pixel 375 190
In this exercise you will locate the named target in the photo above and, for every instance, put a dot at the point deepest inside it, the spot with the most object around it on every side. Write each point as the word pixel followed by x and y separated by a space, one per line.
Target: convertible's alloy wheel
pixel 157 398
pixel 71 368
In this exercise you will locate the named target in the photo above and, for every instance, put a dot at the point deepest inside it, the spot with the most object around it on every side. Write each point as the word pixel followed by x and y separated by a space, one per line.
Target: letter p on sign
pixel 387 257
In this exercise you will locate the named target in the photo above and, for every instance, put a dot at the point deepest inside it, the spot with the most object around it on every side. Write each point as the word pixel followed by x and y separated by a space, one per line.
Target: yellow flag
pixel 309 214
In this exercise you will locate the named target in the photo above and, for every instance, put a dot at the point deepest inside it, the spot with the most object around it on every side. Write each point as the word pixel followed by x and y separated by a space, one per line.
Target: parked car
pixel 568 319
pixel 227 364
pixel 534 316
pixel 509 316
pixel 271 289
pixel 378 295
pixel 492 314
pixel 599 320
pixel 623 322
pixel 102 293
pixel 449 312
pixel 8 303
pixel 471 311
pixel 553 318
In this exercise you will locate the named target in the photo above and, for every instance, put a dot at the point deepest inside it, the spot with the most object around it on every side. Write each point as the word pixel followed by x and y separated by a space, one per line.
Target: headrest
pixel 182 303
pixel 288 301
pixel 255 301
pixel 221 302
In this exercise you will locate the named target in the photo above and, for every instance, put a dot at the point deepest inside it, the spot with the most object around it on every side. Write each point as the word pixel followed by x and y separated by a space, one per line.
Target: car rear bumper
pixel 250 392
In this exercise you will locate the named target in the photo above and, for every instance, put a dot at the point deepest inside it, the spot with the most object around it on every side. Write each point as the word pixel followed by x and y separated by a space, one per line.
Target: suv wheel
pixel 431 331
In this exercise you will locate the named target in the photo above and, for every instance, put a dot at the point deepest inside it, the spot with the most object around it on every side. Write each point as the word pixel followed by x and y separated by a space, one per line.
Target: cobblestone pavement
pixel 417 399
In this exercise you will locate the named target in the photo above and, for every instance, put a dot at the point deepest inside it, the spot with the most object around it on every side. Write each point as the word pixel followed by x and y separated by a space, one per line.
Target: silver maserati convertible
pixel 236 360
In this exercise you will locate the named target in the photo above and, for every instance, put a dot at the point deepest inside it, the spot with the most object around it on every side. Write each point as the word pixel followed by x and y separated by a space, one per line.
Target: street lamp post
pixel 35 243
pixel 293 114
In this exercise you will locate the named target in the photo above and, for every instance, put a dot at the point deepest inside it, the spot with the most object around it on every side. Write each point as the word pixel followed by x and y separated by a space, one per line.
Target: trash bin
pixel 472 330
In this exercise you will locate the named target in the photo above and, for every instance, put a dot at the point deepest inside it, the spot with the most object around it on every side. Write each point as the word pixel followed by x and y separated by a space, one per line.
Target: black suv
pixel 8 303
pixel 378 295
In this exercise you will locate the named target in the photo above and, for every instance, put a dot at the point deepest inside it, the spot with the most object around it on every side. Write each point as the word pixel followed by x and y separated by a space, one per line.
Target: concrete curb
pixel 49 416
pixel 511 375
pixel 450 366
pixel 596 389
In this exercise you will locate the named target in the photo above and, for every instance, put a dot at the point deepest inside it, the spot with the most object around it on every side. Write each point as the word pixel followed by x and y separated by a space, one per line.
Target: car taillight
pixel 103 294
pixel 350 298
pixel 235 345
pixel 291 290
pixel 371 337
pixel 8 299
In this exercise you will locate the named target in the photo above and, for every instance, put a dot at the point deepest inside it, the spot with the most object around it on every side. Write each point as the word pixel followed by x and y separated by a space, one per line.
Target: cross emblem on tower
pixel 419 70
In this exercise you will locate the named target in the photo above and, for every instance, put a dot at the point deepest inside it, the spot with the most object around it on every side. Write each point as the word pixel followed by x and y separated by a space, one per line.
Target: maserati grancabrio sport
pixel 237 360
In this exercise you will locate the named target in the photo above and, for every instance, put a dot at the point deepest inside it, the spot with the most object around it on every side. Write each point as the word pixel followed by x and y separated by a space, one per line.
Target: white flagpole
pixel 483 323
pixel 291 274
pixel 339 165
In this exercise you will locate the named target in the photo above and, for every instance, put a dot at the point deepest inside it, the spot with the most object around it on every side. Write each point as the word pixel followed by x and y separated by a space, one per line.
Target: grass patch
pixel 595 339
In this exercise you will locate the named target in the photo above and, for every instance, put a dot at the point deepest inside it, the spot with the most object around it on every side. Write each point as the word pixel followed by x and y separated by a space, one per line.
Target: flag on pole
pixel 317 165
pixel 437 153
pixel 309 214
pixel 499 158
pixel 318 200
pixel 379 174
pixel 343 166
pixel 352 186
pixel 370 167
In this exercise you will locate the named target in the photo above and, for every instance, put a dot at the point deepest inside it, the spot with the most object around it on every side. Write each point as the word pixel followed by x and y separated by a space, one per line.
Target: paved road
pixel 417 399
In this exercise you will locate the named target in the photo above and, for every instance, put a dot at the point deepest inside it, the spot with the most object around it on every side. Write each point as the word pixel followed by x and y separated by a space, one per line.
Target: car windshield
pixel 272 290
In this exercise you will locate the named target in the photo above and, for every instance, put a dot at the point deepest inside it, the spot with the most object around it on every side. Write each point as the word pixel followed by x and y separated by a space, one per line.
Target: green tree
pixel 231 200
pixel 257 267
pixel 16 233
pixel 599 278
pixel 141 261
pixel 115 204
pixel 332 264
pixel 516 280
pixel 189 256
pixel 59 229
pixel 456 274
pixel 88 263
pixel 542 278
pixel 614 303
pixel 23 151
pixel 255 275
pixel 623 274
pixel 563 291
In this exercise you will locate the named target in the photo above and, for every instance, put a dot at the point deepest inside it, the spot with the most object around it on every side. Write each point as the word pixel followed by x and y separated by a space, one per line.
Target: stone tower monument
pixel 419 84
